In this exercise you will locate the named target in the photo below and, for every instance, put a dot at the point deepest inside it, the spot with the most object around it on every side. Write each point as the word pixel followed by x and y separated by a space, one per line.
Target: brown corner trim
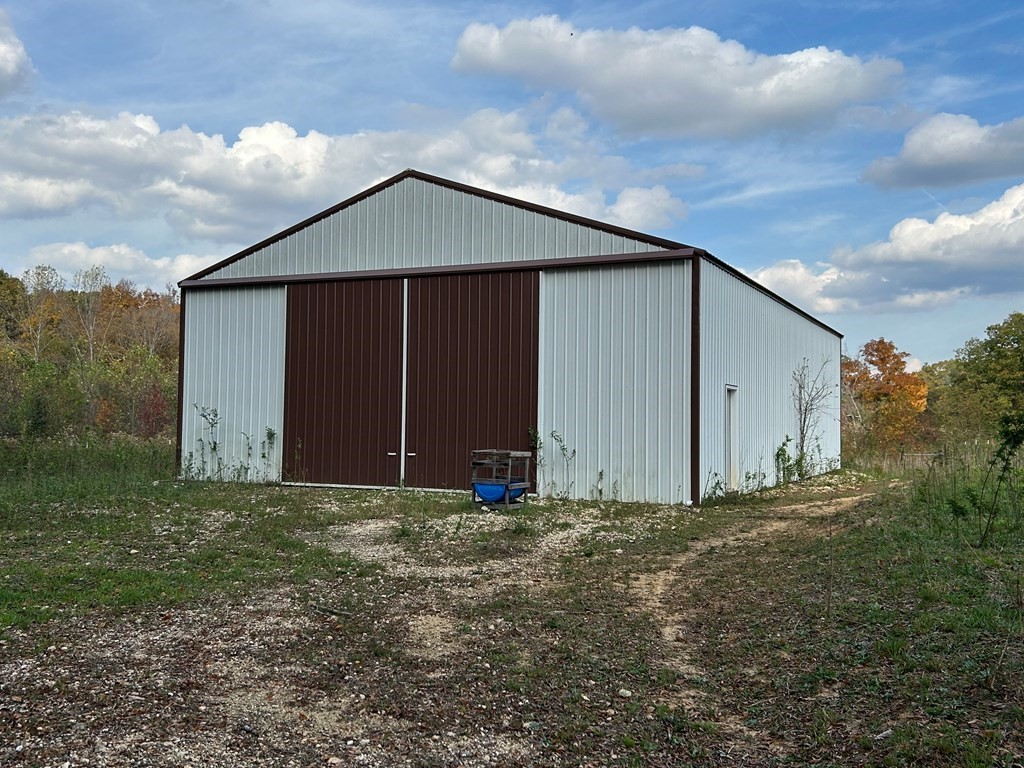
pixel 696 494
pixel 181 381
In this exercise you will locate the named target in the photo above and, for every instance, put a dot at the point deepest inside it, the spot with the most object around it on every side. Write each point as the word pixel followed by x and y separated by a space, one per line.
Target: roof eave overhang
pixel 574 262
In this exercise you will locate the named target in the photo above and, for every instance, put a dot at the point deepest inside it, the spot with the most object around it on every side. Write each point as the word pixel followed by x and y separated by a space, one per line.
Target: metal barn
pixel 381 341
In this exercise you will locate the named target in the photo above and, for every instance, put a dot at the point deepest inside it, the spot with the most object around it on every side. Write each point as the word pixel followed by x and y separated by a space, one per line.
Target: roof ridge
pixel 451 184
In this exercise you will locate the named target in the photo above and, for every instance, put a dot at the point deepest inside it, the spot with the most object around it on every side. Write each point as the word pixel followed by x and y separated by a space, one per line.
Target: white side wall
pixel 615 381
pixel 754 343
pixel 229 334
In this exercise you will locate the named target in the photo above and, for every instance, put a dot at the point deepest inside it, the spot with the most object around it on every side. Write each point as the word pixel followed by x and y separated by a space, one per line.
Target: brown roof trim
pixel 571 262
pixel 410 173
pixel 632 234
pixel 767 292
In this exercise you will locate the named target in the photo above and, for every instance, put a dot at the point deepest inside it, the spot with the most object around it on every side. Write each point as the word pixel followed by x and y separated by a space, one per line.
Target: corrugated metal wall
pixel 615 382
pixel 415 223
pixel 471 377
pixel 344 382
pixel 472 372
pixel 754 343
pixel 612 346
pixel 233 367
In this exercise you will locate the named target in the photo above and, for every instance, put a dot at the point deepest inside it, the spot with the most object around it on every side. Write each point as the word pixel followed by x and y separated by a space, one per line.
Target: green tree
pixel 91 355
pixel 993 369
pixel 88 319
pixel 42 310
pixel 12 300
pixel 12 373
pixel 955 413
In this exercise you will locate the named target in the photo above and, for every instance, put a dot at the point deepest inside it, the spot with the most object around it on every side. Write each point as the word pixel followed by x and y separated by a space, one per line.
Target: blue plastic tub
pixel 492 492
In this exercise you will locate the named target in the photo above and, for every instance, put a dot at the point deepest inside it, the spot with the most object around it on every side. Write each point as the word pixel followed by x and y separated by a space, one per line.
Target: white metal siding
pixel 234 364
pixel 615 382
pixel 755 343
pixel 416 223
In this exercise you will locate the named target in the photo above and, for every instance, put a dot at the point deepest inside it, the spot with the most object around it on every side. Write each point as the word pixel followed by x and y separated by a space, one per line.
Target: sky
pixel 862 159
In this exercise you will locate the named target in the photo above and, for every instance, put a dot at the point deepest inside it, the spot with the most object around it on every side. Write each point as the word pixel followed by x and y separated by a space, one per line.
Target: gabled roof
pixel 646 247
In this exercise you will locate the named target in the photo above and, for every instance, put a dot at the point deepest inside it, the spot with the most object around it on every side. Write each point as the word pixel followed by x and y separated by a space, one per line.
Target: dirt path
pixel 663 594
pixel 423 669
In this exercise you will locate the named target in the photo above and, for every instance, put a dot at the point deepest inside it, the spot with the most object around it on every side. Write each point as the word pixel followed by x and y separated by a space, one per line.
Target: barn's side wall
pixel 754 343
pixel 415 223
pixel 615 382
pixel 233 383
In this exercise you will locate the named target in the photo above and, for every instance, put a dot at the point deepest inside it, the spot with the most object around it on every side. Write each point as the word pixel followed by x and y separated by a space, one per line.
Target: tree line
pixel 86 355
pixel 976 398
pixel 95 355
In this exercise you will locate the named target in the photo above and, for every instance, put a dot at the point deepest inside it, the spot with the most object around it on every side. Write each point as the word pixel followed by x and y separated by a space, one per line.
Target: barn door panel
pixel 343 382
pixel 472 371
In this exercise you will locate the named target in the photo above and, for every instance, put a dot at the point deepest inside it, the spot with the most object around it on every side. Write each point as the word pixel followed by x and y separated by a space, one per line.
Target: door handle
pixel 392 453
pixel 410 454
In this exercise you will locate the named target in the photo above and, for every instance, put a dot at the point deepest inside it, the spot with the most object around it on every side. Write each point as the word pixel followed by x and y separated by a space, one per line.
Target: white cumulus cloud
pixel 271 176
pixel 27 196
pixel 120 261
pixel 803 285
pixel 639 208
pixel 15 65
pixel 989 240
pixel 946 149
pixel 922 265
pixel 677 82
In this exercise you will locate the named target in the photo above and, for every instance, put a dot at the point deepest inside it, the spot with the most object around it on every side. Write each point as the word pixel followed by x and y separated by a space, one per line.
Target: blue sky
pixel 863 159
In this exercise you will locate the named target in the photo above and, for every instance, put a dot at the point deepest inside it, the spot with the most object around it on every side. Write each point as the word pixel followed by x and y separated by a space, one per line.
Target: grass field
pixel 148 621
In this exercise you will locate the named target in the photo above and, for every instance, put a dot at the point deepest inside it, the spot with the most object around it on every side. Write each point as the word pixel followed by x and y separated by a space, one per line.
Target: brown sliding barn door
pixel 343 383
pixel 472 371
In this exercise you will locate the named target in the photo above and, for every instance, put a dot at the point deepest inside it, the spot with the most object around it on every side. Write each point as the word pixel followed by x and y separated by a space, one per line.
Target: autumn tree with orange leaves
pixel 882 401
